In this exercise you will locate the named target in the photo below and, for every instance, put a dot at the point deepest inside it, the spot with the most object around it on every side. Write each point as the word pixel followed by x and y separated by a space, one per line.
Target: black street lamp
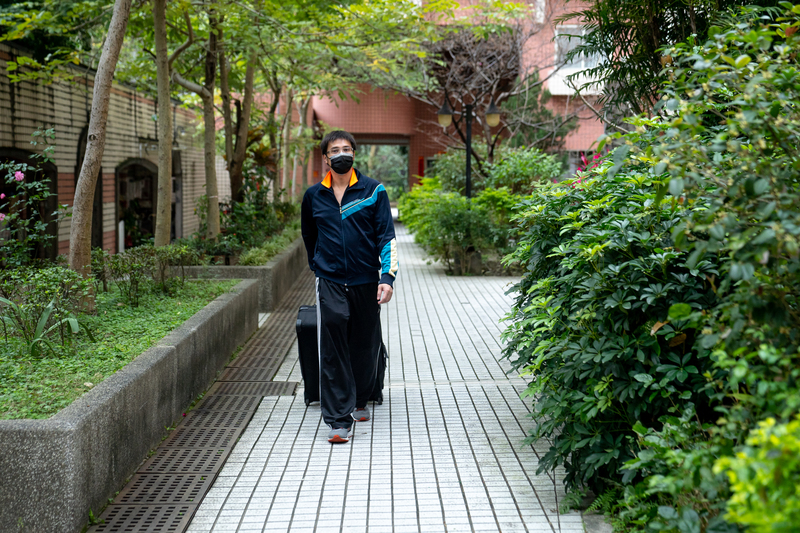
pixel 445 116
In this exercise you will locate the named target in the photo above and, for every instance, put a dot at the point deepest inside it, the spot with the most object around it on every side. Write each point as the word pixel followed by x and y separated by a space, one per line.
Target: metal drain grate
pixel 230 403
pixel 145 518
pixel 185 461
pixel 203 437
pixel 164 488
pixel 249 374
pixel 164 494
pixel 253 361
pixel 253 388
pixel 217 419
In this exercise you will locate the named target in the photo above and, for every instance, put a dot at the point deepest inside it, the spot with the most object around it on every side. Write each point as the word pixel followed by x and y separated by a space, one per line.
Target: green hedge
pixel 660 310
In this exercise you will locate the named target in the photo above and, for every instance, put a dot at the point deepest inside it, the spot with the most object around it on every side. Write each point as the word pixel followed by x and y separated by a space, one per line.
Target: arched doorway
pixel 37 170
pixel 136 200
pixel 97 205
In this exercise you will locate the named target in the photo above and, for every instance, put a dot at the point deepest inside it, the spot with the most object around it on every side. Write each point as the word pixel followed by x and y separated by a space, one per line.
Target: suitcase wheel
pixel 308 402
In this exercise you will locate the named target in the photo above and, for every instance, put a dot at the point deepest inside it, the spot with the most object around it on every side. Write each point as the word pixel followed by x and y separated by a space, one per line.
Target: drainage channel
pixel 164 493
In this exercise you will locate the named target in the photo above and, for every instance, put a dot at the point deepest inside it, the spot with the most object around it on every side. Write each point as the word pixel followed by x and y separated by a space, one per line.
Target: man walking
pixel 349 237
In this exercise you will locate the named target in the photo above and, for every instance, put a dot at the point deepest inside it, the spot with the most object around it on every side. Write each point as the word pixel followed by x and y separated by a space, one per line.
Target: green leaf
pixel 644 378
pixel 676 187
pixel 679 311
pixel 742 61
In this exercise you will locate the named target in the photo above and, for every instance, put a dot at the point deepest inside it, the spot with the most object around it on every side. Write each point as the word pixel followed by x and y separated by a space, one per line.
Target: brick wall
pixel 131 136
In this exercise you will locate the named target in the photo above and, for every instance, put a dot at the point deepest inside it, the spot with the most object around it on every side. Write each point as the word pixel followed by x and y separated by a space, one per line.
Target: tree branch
pixel 189 40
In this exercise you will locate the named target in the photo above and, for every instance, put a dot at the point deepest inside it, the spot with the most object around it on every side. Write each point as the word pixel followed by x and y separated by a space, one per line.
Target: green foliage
pixel 39 302
pixel 34 328
pixel 623 37
pixel 40 387
pixel 24 212
pixel 516 168
pixel 274 245
pixel 693 220
pixel 765 476
pixel 130 269
pixel 100 259
pixel 449 168
pixel 520 169
pixel 244 225
pixel 591 321
pixel 452 228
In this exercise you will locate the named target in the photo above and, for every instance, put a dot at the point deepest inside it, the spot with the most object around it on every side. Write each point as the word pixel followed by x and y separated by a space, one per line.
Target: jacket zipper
pixel 344 246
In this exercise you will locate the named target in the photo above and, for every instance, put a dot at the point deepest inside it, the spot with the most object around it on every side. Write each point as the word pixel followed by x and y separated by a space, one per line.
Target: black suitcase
pixel 309 356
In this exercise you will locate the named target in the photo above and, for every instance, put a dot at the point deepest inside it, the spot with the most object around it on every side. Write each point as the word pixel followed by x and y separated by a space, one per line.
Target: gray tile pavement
pixel 444 453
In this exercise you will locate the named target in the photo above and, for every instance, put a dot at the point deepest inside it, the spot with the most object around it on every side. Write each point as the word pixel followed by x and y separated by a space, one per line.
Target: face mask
pixel 341 163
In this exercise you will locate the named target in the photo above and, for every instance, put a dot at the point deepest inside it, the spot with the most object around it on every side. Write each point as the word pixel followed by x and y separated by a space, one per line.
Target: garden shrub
pixel 450 227
pixel 765 478
pixel 23 213
pixel 130 269
pixel 592 321
pixel 449 168
pixel 519 169
pixel 659 312
pixel 40 301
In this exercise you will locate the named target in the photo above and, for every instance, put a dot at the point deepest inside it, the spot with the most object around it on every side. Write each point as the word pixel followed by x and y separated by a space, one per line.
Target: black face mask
pixel 341 163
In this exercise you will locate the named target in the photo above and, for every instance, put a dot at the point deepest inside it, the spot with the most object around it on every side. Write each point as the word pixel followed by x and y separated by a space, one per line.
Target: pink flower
pixel 2 196
pixel 19 175
pixel 2 217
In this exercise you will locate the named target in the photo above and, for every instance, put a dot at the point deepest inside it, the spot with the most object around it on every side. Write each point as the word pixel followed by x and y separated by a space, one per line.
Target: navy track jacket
pixel 349 243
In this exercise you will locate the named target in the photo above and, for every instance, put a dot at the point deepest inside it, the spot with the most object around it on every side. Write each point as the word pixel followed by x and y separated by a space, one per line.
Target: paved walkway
pixel 443 453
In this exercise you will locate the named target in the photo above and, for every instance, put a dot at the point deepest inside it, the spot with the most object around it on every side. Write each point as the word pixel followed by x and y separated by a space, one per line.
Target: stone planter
pixel 54 471
pixel 274 279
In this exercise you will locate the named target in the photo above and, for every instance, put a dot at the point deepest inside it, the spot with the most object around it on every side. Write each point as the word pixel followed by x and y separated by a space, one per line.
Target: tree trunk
pixel 303 126
pixel 80 234
pixel 164 198
pixel 225 89
pixel 209 144
pixel 286 137
pixel 243 127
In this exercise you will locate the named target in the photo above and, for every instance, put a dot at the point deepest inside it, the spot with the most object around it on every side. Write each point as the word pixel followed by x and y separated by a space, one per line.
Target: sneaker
pixel 340 435
pixel 360 415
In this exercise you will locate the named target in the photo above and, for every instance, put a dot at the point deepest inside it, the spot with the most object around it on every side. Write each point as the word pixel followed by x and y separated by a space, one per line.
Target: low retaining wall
pixel 53 471
pixel 274 279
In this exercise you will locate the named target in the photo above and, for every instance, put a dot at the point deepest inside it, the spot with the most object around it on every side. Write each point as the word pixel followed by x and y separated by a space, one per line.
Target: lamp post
pixel 445 116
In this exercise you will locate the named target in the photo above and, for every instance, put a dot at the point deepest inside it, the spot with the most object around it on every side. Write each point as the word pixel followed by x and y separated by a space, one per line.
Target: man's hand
pixel 384 293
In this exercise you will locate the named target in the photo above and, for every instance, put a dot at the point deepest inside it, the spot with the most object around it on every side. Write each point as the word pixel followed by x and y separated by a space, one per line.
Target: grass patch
pixel 272 247
pixel 38 388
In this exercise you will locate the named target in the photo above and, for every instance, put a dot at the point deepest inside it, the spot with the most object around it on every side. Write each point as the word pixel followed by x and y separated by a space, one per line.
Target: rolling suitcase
pixel 309 356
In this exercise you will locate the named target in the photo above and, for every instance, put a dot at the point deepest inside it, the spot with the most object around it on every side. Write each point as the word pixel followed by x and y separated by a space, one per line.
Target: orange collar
pixel 326 181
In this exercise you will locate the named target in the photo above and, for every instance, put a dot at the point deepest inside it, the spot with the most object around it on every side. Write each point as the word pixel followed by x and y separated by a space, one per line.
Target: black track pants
pixel 348 331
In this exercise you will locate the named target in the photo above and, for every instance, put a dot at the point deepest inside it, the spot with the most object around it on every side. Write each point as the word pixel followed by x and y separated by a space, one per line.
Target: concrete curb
pixel 54 471
pixel 274 279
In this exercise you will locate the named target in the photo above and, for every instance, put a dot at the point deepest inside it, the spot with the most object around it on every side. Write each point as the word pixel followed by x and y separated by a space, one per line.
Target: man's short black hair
pixel 335 136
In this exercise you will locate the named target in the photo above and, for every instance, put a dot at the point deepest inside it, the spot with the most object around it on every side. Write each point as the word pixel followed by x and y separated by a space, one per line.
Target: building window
pixel 567 39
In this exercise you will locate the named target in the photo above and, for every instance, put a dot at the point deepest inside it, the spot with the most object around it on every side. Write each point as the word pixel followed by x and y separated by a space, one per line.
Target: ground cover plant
pixel 659 309
pixel 38 387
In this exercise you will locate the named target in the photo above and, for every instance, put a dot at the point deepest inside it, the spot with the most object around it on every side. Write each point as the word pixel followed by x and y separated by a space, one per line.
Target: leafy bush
pixel 448 226
pixel 765 478
pixel 515 168
pixel 449 169
pixel 24 212
pixel 243 225
pixel 130 269
pixel 592 322
pixel 660 308
pixel 520 169
pixel 38 302
pixel 276 244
